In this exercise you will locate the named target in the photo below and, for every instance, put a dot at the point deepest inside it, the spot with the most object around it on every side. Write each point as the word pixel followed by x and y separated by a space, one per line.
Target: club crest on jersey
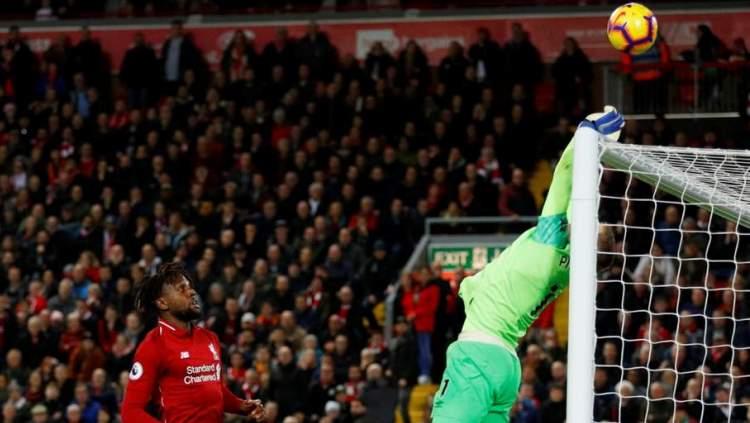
pixel 136 371
pixel 213 351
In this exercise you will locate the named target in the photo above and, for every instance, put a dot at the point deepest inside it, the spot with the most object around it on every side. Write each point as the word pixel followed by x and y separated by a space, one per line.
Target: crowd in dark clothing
pixel 293 183
pixel 76 9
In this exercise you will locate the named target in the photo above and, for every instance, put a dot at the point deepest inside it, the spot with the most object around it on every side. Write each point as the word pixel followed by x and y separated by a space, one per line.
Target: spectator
pixel 420 302
pixel 179 55
pixel 648 72
pixel 453 67
pixel 709 47
pixel 73 414
pixel 378 397
pixel 316 51
pixel 413 63
pixel 320 392
pixel 553 409
pixel 88 408
pixel 102 391
pixel 377 274
pixel 339 271
pixel 486 56
pixel 631 409
pixel 279 52
pixel 655 269
pixel 525 410
pixel 403 353
pixel 523 61
pixel 85 358
pixel 293 333
pixel 33 343
pixel 668 235
pixel 87 58
pixel 18 62
pixel 39 414
pixel 238 56
pixel 660 406
pixel 139 72
pixel 515 198
pixel 285 384
pixel 378 61
pixel 573 75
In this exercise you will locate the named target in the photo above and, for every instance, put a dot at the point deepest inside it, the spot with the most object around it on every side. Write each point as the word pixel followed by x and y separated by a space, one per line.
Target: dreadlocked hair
pixel 150 288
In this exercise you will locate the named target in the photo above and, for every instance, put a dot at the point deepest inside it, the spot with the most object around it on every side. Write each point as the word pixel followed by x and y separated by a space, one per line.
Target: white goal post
pixel 668 338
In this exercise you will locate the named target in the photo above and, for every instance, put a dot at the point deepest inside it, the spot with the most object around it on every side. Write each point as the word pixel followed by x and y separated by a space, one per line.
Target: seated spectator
pixel 515 198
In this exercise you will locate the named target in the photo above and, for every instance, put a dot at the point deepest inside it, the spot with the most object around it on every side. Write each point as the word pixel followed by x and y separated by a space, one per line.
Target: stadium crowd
pixel 294 184
pixel 45 10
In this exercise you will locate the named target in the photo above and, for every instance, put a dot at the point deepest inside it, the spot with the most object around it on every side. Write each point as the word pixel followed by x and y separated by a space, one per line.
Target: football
pixel 632 28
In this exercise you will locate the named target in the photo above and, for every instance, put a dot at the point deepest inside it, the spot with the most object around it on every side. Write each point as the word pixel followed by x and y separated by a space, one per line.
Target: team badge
pixel 136 372
pixel 213 351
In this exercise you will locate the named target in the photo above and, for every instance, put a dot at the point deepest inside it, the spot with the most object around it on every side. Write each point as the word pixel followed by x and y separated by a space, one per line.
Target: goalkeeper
pixel 483 374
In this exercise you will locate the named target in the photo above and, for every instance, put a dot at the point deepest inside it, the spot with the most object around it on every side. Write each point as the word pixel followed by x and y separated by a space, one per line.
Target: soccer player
pixel 483 373
pixel 178 364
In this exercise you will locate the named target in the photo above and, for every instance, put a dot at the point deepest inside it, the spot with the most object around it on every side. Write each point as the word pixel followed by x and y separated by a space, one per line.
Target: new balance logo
pixel 184 355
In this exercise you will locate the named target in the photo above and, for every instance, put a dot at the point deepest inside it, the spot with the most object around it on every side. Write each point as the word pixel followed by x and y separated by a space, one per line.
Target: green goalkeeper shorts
pixel 479 385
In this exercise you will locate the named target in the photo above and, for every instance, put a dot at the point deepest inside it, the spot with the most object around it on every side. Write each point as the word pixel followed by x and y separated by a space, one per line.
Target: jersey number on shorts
pixel 445 386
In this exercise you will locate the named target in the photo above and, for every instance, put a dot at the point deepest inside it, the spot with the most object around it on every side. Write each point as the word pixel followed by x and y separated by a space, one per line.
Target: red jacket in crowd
pixel 421 303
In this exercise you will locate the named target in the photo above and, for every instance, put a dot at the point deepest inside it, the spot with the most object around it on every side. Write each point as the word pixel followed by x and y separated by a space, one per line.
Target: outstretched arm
pixel 556 210
pixel 558 197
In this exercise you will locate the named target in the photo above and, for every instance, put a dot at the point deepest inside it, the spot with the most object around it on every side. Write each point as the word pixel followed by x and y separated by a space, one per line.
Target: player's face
pixel 182 301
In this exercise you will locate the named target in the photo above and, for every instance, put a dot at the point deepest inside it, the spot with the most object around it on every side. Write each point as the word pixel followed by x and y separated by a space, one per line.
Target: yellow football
pixel 632 28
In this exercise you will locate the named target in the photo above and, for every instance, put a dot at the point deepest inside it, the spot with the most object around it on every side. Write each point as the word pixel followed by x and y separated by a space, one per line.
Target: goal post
pixel 582 306
pixel 675 311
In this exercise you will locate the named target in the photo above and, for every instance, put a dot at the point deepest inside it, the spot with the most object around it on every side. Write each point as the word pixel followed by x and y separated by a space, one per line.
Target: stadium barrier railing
pixel 678 89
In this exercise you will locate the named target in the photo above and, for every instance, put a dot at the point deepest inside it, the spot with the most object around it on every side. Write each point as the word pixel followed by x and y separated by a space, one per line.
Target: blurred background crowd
pixel 294 182
pixel 62 9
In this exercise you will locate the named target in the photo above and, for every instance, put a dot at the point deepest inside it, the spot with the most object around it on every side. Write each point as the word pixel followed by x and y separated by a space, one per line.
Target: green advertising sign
pixel 455 257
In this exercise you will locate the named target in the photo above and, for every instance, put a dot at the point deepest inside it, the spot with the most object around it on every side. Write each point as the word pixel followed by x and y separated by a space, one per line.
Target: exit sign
pixel 469 258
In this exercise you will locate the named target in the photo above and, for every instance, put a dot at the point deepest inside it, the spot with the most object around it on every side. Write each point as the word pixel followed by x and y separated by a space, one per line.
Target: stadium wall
pixel 355 35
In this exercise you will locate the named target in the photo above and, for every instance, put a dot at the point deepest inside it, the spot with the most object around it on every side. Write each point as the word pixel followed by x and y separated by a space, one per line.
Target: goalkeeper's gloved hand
pixel 609 123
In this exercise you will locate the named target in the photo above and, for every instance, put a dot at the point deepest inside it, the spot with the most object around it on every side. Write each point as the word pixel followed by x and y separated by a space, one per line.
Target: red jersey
pixel 180 370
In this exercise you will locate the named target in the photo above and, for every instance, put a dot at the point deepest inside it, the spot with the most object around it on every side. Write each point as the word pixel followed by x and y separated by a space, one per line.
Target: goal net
pixel 672 310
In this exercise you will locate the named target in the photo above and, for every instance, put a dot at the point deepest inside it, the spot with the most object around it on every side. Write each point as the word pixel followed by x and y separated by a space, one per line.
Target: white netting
pixel 673 311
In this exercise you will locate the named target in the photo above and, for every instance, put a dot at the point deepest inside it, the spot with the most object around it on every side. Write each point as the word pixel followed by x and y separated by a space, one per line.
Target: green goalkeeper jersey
pixel 507 296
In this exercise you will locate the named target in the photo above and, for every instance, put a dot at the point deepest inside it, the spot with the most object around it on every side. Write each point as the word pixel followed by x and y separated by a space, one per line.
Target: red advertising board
pixel 433 34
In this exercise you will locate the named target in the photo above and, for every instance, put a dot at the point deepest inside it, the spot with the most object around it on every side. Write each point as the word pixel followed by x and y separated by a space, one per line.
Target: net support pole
pixel 584 230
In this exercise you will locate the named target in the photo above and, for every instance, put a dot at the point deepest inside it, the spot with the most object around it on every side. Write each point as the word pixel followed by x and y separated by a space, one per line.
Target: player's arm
pixel 558 198
pixel 143 379
pixel 234 404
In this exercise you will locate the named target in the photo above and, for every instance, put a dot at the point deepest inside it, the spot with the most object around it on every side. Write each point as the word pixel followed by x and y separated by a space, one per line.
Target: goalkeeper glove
pixel 609 123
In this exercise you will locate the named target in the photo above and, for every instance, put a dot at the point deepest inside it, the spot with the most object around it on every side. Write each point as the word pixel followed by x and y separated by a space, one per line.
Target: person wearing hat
pixel 239 257
pixel 480 382
pixel 377 273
